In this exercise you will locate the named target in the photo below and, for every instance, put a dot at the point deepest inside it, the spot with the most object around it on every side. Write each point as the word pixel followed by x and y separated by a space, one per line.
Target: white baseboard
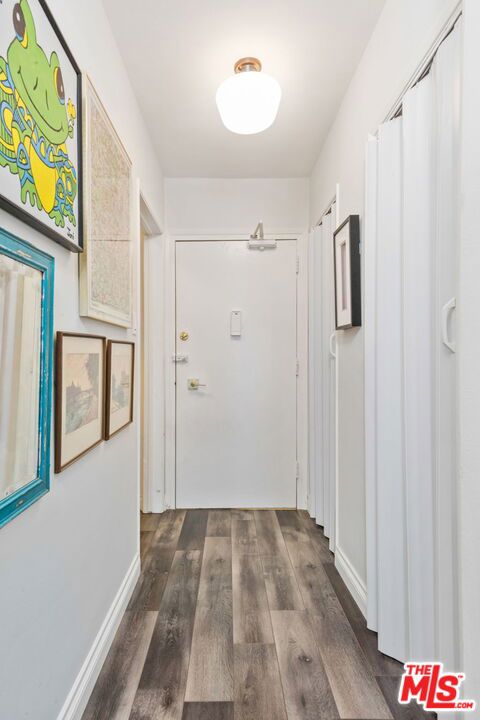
pixel 78 696
pixel 351 579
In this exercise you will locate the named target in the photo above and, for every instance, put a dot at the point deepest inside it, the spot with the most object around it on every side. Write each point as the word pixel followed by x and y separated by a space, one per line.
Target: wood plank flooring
pixel 241 615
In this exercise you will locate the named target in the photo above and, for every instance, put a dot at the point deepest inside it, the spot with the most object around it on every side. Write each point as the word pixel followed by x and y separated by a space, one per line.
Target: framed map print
pixel 120 374
pixel 106 271
pixel 26 370
pixel 79 396
pixel 40 123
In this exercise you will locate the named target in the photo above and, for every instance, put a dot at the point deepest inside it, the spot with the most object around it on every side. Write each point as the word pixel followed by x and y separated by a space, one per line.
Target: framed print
pixel 346 247
pixel 26 368
pixel 79 396
pixel 40 123
pixel 120 379
pixel 106 270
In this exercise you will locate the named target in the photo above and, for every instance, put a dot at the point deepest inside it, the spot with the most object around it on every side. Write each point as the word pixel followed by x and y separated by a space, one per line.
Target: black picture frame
pixel 352 316
pixel 16 210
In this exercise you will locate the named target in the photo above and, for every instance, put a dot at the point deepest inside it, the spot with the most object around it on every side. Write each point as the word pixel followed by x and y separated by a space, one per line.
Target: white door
pixel 236 431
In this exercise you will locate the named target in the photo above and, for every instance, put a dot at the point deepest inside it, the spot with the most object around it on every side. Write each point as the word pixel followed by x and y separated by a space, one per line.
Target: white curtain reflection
pixel 20 330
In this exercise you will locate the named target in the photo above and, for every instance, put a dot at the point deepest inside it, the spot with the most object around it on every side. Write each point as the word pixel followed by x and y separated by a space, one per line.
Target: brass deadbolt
pixel 184 335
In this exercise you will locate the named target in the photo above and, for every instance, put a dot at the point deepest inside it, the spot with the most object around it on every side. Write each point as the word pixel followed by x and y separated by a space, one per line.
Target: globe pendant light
pixel 248 101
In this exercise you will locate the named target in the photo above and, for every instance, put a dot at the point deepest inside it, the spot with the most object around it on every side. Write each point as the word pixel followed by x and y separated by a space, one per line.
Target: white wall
pixel 63 560
pixel 404 32
pixel 203 206
pixel 468 357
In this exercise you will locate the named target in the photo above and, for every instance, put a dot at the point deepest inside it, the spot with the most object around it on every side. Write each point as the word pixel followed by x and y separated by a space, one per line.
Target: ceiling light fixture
pixel 248 101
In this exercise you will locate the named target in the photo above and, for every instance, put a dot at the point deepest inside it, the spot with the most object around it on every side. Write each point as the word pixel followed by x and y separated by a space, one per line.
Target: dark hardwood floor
pixel 241 615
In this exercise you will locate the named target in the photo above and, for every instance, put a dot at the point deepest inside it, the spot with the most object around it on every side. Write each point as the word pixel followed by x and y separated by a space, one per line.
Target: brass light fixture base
pixel 248 64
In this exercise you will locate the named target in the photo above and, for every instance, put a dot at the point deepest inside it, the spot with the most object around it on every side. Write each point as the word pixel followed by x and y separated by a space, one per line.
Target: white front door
pixel 236 432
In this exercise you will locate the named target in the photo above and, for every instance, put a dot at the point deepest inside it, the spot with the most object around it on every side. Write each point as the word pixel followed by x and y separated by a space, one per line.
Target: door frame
pixel 149 333
pixel 302 355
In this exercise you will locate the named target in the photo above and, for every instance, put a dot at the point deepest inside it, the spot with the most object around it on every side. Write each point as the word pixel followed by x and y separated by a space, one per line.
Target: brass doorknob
pixel 184 335
pixel 194 384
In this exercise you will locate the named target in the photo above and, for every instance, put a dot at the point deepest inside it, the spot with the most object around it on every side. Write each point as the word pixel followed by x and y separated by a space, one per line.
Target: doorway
pixel 236 375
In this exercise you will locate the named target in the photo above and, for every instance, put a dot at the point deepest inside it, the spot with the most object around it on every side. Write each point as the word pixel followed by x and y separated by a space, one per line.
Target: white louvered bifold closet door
pixel 411 236
pixel 315 375
pixel 329 370
pixel 322 376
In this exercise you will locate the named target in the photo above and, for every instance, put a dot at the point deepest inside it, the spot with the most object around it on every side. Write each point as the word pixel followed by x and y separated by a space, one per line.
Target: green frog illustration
pixel 36 121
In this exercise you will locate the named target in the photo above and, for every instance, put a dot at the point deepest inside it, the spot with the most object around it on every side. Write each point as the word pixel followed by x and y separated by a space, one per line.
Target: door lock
pixel 194 384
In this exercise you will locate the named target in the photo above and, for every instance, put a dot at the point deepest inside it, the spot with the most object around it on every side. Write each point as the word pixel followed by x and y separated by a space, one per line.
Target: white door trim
pixel 302 351
pixel 153 330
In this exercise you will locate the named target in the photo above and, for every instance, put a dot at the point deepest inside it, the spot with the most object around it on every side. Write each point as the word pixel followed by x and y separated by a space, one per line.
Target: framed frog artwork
pixel 40 123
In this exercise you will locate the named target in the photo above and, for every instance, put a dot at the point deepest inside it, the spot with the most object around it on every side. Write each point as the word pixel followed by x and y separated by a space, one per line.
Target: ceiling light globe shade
pixel 248 102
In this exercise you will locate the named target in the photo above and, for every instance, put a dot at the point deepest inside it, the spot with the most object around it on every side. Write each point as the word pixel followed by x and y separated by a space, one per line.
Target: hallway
pixel 242 614
pixel 239 348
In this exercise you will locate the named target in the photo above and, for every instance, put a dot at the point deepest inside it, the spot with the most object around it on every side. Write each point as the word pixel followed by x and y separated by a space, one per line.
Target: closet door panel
pixel 370 313
pixel 329 371
pixel 332 372
pixel 316 418
pixel 418 284
pixel 446 73
pixel 328 377
pixel 391 531
pixel 325 385
pixel 311 379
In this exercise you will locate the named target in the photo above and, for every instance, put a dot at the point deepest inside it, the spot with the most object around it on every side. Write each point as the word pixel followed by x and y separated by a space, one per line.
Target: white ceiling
pixel 178 51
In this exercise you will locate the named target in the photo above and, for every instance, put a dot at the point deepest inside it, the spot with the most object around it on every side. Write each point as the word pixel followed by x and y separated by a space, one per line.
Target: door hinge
pixel 297 371
pixel 297 476
pixel 298 264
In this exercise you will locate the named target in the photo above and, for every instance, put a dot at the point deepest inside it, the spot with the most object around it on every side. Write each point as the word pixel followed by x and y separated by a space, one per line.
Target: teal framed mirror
pixel 26 372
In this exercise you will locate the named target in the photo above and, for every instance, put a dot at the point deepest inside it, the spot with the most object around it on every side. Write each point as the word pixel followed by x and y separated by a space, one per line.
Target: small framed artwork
pixel 346 253
pixel 120 380
pixel 106 269
pixel 26 374
pixel 40 123
pixel 79 396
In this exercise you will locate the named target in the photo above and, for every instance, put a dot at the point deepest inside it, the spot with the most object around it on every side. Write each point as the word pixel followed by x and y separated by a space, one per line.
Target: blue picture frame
pixel 23 252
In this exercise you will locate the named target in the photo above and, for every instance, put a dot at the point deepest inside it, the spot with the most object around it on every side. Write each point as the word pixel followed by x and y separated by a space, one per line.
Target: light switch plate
pixel 236 323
